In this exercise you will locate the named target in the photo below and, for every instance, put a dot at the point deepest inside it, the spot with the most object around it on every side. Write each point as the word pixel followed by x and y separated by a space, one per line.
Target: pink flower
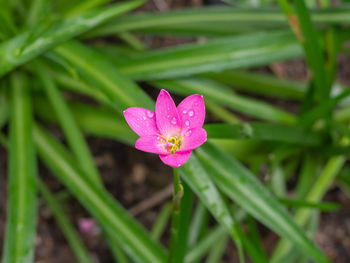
pixel 172 132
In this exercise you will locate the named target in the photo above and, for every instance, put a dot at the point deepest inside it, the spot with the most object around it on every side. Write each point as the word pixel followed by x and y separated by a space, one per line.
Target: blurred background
pixel 143 184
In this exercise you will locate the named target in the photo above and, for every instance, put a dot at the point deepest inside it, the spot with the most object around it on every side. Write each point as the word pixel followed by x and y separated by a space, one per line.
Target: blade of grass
pixel 197 178
pixel 212 56
pixel 81 253
pixel 199 222
pixel 315 194
pixel 68 124
pixel 220 112
pixel 212 20
pixel 121 91
pixel 301 24
pixel 308 174
pixel 94 121
pixel 161 222
pixel 322 206
pixel 110 214
pixel 78 85
pixel 224 96
pixel 263 131
pixel 244 188
pixel 84 6
pixel 202 247
pixel 262 84
pixel 21 218
pixel 75 140
pixel 17 51
pixel 218 250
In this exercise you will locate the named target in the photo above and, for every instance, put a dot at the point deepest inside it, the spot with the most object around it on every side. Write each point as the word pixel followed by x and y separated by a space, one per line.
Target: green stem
pixel 175 224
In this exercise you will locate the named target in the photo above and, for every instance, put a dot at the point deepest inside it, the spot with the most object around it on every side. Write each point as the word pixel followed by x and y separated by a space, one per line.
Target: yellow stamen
pixel 173 143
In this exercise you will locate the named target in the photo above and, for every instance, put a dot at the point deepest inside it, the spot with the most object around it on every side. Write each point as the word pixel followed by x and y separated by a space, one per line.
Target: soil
pixel 132 176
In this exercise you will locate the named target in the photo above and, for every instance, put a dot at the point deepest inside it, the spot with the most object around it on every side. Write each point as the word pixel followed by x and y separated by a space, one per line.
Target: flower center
pixel 172 144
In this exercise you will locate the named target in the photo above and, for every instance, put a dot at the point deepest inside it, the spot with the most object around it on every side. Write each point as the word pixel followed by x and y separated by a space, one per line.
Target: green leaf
pixel 69 126
pixel 314 195
pixel 198 179
pixel 207 242
pixel 322 206
pixel 313 51
pixel 162 221
pixel 213 56
pixel 74 137
pixel 262 84
pixel 244 188
pixel 121 91
pixel 263 131
pixel 111 215
pixel 81 254
pixel 223 95
pixel 21 217
pixel 18 50
pixel 212 21
pixel 94 121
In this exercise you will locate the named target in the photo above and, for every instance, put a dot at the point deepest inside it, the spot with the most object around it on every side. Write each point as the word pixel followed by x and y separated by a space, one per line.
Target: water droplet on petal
pixel 187 123
pixel 191 113
pixel 173 121
pixel 144 117
pixel 150 114
pixel 184 111
pixel 188 133
pixel 168 116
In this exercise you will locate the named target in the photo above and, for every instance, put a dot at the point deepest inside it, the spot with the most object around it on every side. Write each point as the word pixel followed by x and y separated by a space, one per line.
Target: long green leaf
pixel 313 51
pixel 21 49
pixel 213 56
pixel 95 121
pixel 224 96
pixel 263 131
pixel 121 91
pixel 21 218
pixel 199 181
pixel 212 20
pixel 110 214
pixel 74 136
pixel 262 84
pixel 68 123
pixel 66 226
pixel 315 194
pixel 243 187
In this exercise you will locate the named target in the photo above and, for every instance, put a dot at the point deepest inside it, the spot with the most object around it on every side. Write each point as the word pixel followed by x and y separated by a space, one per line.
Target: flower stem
pixel 175 224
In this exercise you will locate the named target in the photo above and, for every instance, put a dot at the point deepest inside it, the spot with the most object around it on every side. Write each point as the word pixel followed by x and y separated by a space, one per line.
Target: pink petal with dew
pixel 152 144
pixel 175 160
pixel 192 139
pixel 141 121
pixel 168 120
pixel 192 112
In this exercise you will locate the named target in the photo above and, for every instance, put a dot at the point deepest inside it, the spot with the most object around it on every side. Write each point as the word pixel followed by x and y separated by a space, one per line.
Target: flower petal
pixel 175 160
pixel 151 143
pixel 141 121
pixel 193 138
pixel 192 112
pixel 168 120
